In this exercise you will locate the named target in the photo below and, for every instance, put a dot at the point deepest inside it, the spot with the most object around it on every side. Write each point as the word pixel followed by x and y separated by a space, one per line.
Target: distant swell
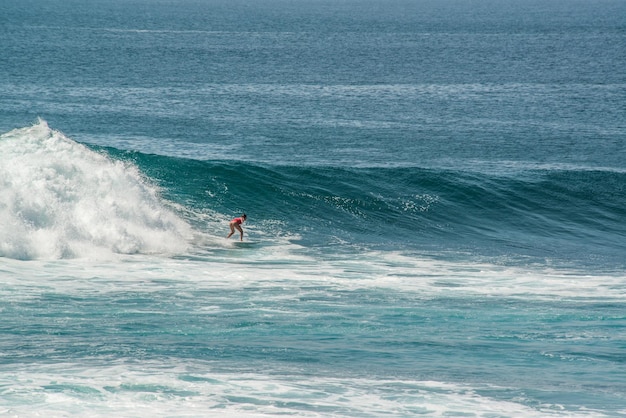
pixel 59 199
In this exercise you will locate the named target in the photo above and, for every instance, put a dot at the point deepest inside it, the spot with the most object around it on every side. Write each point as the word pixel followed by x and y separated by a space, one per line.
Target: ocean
pixel 435 193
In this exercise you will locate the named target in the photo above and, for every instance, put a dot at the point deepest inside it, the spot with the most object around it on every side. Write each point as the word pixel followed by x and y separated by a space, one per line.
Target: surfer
pixel 236 223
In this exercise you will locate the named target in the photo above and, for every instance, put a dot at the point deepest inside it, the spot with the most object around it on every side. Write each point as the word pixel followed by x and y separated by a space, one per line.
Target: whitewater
pixel 61 200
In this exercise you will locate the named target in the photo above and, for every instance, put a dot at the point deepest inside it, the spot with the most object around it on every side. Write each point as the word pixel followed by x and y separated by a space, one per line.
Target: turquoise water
pixel 435 200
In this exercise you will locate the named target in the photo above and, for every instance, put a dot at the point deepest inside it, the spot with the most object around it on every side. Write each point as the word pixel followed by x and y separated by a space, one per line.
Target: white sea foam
pixel 263 281
pixel 59 199
pixel 163 389
pixel 231 267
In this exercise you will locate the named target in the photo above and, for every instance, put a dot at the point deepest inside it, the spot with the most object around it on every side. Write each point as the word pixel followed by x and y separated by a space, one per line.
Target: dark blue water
pixel 435 195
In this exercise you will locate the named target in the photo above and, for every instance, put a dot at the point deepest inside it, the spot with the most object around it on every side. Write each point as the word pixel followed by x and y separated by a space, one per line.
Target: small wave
pixel 60 199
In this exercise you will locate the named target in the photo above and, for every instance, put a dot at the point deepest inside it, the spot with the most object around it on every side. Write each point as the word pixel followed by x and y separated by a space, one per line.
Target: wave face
pixel 60 199
pixel 566 216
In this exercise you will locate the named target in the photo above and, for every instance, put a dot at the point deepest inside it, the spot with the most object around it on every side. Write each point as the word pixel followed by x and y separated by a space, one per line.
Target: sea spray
pixel 60 199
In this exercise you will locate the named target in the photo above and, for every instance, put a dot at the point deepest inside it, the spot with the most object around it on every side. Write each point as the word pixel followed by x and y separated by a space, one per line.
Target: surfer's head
pixel 244 216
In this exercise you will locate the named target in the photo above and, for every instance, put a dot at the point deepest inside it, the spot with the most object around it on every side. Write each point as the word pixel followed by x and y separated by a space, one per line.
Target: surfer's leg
pixel 232 230
pixel 240 231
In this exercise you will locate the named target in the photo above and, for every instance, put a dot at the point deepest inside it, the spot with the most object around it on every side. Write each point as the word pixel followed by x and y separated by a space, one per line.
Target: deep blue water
pixel 435 194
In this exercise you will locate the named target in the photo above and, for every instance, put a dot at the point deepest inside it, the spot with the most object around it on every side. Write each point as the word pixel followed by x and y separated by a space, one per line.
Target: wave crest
pixel 60 199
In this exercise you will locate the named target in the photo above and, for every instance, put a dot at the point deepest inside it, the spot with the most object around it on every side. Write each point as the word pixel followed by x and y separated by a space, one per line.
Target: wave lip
pixel 60 199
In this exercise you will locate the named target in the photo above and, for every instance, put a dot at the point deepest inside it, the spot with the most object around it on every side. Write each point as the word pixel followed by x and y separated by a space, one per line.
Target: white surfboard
pixel 245 243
